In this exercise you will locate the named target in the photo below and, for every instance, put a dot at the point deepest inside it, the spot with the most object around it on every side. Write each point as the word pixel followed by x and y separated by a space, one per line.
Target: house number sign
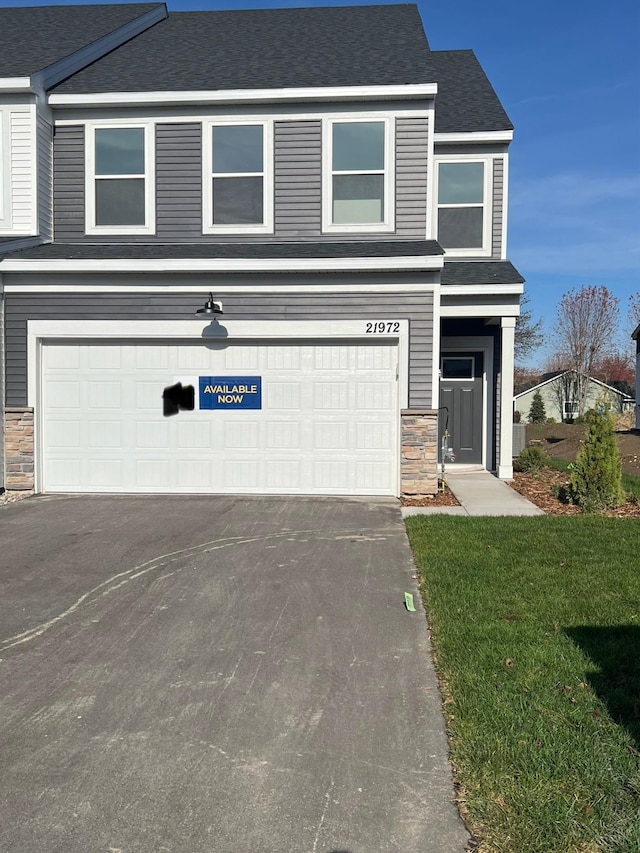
pixel 382 327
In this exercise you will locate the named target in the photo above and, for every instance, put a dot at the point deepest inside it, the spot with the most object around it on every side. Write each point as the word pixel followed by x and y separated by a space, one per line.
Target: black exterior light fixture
pixel 211 309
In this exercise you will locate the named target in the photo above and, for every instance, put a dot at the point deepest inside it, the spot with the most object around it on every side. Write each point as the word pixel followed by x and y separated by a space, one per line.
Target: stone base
pixel 419 459
pixel 19 449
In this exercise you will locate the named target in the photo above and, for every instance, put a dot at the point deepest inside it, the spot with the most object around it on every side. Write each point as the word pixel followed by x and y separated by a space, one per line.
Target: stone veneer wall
pixel 419 462
pixel 19 448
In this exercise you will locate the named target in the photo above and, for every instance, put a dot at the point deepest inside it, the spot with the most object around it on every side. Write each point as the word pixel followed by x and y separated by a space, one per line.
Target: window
pixel 571 409
pixel 463 211
pixel 457 368
pixel 120 180
pixel 358 176
pixel 238 194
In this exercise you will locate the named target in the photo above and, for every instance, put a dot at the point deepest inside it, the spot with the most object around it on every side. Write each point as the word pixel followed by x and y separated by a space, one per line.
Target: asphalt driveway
pixel 216 675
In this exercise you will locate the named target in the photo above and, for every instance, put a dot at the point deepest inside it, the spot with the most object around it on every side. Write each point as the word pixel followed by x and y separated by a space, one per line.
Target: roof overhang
pixel 225 265
pixel 636 333
pixel 414 91
pixel 476 136
pixel 482 289
pixel 16 84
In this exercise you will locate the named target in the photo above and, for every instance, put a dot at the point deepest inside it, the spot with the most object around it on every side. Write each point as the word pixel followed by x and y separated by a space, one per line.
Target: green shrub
pixel 537 413
pixel 533 460
pixel 596 479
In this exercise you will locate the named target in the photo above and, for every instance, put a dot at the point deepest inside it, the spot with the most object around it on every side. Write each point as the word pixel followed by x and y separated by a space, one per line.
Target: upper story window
pixel 120 171
pixel 358 178
pixel 238 179
pixel 464 217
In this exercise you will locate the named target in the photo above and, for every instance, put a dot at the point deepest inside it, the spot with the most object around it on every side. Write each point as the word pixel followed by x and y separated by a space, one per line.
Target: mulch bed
pixel 445 498
pixel 538 489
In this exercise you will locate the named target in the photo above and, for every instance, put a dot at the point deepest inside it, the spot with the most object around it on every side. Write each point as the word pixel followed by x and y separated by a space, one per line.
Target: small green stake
pixel 408 600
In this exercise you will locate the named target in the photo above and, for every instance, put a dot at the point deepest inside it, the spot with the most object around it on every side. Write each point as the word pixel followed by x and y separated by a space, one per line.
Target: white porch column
pixel 505 459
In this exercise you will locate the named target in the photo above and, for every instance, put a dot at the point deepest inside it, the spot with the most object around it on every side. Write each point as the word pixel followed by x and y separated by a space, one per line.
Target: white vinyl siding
pixel 104 181
pixel 237 188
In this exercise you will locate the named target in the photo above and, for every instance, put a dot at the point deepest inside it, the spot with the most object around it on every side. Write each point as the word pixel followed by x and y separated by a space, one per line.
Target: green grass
pixel 536 633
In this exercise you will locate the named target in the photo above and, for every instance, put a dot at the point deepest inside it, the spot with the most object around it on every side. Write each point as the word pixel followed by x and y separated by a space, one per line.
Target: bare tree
pixel 634 312
pixel 587 325
pixel 528 334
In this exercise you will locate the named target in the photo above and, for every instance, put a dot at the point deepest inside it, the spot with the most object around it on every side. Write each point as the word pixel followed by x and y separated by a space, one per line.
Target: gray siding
pixel 178 182
pixel 2 403
pixel 298 179
pixel 68 183
pixel 416 307
pixel 45 178
pixel 412 149
pixel 297 184
pixel 498 196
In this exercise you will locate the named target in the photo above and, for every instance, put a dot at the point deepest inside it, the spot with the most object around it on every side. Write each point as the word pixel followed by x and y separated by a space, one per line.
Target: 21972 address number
pixel 382 328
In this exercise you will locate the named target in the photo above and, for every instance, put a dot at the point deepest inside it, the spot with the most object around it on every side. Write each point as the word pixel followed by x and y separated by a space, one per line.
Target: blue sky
pixel 568 74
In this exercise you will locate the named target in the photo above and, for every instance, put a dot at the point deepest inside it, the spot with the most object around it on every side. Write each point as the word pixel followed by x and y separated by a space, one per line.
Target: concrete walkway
pixel 479 493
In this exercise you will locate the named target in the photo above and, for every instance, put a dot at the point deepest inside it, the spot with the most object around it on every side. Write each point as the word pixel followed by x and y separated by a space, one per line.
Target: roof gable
pixel 466 100
pixel 267 49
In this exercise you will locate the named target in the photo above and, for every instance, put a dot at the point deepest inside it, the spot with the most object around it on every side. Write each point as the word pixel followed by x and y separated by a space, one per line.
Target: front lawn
pixel 536 633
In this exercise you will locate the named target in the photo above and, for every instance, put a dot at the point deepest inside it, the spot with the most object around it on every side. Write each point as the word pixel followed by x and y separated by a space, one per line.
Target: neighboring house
pixel 636 338
pixel 559 395
pixel 350 217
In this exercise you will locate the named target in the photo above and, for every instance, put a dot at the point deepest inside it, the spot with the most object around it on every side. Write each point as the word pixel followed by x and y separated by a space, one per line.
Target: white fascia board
pixel 479 310
pixel 480 136
pixel 283 265
pixel 80 59
pixel 482 289
pixel 230 96
pixel 15 84
pixel 157 288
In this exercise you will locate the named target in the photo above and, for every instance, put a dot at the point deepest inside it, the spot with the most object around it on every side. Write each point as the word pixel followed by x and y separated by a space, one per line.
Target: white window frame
pixel 149 176
pixel 575 408
pixel 388 219
pixel 267 177
pixel 484 251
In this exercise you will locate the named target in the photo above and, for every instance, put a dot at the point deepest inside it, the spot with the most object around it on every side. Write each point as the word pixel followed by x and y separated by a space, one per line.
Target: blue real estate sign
pixel 230 392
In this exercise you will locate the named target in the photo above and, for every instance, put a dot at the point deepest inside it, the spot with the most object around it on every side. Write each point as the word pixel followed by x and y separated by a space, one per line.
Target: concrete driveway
pixel 216 675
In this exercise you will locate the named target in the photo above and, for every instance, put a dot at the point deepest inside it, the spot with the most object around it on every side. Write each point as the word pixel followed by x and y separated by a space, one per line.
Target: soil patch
pixel 563 441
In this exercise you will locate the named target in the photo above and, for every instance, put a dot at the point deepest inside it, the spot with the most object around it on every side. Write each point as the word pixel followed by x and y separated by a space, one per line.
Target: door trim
pixel 485 346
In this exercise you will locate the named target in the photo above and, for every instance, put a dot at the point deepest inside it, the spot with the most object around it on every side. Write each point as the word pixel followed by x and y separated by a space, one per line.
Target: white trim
pixel 16 84
pixel 149 177
pixel 563 373
pixel 279 265
pixel 480 309
pixel 319 93
pixel 485 250
pixel 41 330
pixel 505 206
pixel 507 350
pixel 259 112
pixel 484 345
pixel 388 220
pixel 481 289
pixel 431 223
pixel 267 177
pixel 474 136
pixel 198 288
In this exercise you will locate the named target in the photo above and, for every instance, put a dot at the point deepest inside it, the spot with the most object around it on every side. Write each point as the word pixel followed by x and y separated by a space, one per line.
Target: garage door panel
pixel 328 413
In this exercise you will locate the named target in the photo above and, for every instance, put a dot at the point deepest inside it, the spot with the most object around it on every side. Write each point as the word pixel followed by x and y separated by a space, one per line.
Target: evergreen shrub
pixel 596 478
pixel 537 413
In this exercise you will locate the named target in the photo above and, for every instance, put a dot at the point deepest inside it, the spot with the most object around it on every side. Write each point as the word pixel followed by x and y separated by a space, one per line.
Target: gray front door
pixel 461 394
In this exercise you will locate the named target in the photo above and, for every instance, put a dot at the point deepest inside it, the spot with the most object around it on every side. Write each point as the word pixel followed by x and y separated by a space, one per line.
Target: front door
pixel 461 397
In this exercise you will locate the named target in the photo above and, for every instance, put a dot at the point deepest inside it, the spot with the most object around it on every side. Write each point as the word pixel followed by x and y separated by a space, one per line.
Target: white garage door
pixel 323 418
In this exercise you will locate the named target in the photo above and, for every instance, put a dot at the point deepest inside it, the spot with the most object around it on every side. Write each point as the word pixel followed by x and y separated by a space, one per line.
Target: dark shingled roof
pixel 480 272
pixel 466 101
pixel 35 37
pixel 265 49
pixel 247 251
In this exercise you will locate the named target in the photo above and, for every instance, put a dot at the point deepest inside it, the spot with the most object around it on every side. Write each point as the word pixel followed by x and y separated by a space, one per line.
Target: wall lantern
pixel 211 309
